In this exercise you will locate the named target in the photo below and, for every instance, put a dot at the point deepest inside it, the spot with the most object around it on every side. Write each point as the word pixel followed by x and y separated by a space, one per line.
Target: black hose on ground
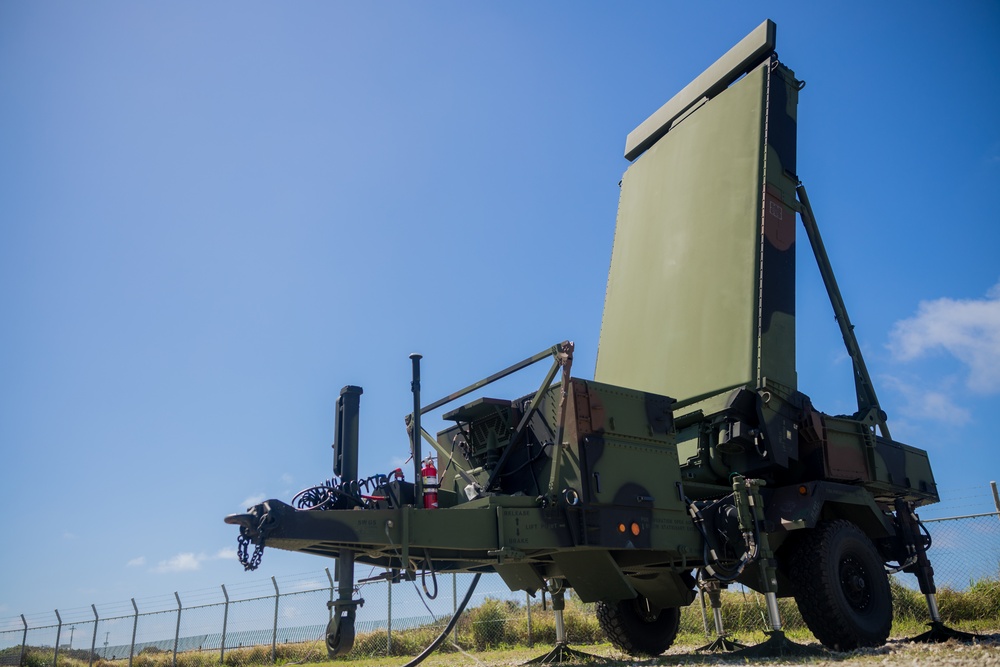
pixel 451 625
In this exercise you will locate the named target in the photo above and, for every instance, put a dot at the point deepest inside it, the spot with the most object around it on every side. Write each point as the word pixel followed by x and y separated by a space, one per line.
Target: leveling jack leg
pixel 747 492
pixel 562 652
pixel 777 644
pixel 722 642
pixel 909 525
pixel 939 632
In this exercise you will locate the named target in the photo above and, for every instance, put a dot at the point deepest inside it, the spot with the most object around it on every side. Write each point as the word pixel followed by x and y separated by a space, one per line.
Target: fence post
pixel 24 640
pixel 704 611
pixel 454 603
pixel 93 641
pixel 135 626
pixel 55 658
pixel 996 497
pixel 225 622
pixel 388 619
pixel 527 605
pixel 274 635
pixel 329 607
pixel 177 632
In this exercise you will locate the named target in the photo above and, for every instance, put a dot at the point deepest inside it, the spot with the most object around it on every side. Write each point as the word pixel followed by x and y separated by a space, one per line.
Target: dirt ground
pixel 985 652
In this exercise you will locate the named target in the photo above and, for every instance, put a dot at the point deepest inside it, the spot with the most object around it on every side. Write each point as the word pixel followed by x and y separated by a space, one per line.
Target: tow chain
pixel 243 541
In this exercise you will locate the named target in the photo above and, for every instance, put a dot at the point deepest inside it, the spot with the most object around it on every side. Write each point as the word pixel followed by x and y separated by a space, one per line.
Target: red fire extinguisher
pixel 430 477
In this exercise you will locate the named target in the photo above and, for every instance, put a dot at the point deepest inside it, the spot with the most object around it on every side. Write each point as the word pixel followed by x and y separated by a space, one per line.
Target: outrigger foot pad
pixel 721 644
pixel 940 633
pixel 777 645
pixel 563 653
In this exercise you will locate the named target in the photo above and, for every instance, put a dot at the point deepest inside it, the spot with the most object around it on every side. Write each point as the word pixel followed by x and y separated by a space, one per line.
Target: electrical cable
pixel 423 580
pixel 714 566
pixel 448 628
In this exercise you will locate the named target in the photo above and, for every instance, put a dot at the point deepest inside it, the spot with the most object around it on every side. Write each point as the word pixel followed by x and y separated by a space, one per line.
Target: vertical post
pixel 527 605
pixel 93 641
pixel 135 627
pixel 715 595
pixel 772 611
pixel 454 604
pixel 418 482
pixel 340 629
pixel 704 611
pixel 345 434
pixel 996 497
pixel 225 624
pixel 558 605
pixel 24 640
pixel 388 621
pixel 329 578
pixel 177 632
pixel 274 635
pixel 55 658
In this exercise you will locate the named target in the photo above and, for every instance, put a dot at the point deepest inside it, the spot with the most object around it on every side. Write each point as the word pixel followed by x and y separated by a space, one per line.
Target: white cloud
pixel 188 561
pixel 928 404
pixel 253 500
pixel 136 562
pixel 229 553
pixel 289 611
pixel 183 562
pixel 967 329
pixel 309 585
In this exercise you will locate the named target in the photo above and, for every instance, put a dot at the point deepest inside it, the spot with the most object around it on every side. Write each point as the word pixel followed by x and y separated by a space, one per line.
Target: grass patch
pixel 502 626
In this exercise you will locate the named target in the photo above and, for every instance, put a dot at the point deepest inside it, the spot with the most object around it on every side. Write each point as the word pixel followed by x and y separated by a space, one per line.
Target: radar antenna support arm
pixel 868 405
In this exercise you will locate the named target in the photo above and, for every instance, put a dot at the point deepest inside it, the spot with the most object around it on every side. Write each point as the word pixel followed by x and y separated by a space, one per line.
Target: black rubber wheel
pixel 635 629
pixel 841 587
pixel 339 635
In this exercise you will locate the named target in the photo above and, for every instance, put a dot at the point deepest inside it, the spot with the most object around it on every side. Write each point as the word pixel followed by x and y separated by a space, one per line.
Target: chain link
pixel 252 562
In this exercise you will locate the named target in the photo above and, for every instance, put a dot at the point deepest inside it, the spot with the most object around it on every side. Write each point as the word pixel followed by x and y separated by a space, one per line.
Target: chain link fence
pixel 965 550
pixel 287 622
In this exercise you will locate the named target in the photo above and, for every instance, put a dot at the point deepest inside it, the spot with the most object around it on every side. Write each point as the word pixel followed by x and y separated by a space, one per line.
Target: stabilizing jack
pixel 722 642
pixel 750 505
pixel 561 652
pixel 777 644
pixel 920 565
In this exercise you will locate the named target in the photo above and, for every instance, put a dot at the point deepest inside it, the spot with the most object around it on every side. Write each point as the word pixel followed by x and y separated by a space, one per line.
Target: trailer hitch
pixel 254 527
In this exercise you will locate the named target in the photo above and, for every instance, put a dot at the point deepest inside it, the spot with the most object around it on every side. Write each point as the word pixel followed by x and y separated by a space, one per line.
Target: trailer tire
pixel 634 629
pixel 841 587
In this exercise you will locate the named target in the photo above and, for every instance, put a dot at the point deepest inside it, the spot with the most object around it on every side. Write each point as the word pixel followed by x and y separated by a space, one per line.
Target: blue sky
pixel 214 216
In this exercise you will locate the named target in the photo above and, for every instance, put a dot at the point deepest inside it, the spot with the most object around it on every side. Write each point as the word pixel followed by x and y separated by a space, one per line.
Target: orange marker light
pixel 635 529
pixel 803 490
pixel 621 528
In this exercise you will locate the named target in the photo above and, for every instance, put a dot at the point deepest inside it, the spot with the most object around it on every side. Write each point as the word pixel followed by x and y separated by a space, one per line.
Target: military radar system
pixel 691 458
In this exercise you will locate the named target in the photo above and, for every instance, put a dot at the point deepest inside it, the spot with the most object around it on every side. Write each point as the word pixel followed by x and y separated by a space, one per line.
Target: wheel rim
pixel 855 582
pixel 644 610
